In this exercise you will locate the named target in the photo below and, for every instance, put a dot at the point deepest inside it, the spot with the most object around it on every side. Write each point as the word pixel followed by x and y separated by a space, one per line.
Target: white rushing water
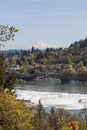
pixel 55 99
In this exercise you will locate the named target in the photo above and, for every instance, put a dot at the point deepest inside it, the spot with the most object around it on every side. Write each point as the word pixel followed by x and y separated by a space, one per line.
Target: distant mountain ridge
pixel 42 45
pixel 10 51
pixel 39 45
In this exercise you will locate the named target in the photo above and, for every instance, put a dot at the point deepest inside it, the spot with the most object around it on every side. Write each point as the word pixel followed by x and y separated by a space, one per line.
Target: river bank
pixel 50 82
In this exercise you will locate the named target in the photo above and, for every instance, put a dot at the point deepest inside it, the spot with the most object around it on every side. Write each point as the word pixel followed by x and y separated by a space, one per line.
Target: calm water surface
pixel 79 89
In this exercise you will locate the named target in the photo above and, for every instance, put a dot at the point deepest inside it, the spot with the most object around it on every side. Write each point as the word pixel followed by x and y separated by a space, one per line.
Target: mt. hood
pixel 40 45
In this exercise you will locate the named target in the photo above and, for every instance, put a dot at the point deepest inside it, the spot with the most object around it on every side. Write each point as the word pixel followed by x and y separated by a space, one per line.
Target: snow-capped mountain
pixel 40 45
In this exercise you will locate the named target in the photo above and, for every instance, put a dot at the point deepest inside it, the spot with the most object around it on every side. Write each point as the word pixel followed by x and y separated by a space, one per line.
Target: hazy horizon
pixel 54 22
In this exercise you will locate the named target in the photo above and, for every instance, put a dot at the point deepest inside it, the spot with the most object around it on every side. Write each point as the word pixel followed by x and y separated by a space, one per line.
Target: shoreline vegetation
pixel 63 64
pixel 49 81
pixel 66 64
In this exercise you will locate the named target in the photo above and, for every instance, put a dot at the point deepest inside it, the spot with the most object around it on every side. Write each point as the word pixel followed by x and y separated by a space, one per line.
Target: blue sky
pixel 56 22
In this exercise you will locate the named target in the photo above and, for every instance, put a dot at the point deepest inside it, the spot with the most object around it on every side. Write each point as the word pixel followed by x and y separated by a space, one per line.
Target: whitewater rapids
pixel 54 99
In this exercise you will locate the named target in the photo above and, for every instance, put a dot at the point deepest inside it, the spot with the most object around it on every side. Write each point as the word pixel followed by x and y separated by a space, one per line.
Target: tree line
pixel 70 63
pixel 16 115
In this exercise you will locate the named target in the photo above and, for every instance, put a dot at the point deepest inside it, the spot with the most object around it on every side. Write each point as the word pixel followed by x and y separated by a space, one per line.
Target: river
pixel 60 96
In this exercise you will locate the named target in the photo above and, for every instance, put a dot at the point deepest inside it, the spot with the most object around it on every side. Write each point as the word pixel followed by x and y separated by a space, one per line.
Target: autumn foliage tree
pixel 14 115
pixel 6 81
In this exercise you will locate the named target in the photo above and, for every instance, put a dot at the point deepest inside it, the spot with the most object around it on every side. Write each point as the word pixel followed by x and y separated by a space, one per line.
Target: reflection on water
pixel 57 88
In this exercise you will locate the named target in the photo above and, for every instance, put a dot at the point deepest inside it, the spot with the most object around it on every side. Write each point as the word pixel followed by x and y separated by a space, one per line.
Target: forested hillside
pixel 15 114
pixel 65 64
